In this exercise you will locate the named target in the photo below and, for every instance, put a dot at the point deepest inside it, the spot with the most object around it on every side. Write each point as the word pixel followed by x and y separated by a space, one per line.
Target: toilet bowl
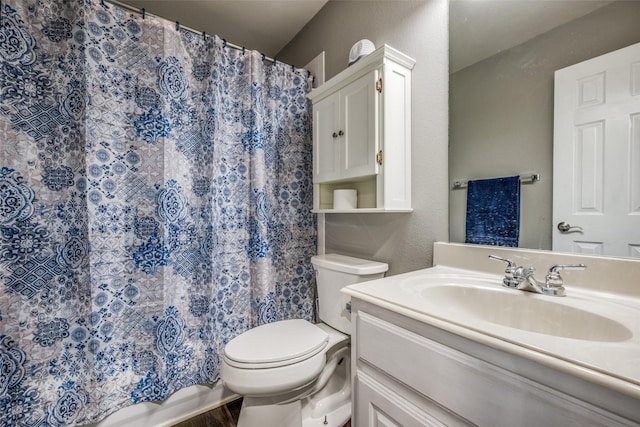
pixel 295 373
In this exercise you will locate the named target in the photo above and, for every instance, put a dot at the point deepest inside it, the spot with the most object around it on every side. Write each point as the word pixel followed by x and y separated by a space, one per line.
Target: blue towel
pixel 493 211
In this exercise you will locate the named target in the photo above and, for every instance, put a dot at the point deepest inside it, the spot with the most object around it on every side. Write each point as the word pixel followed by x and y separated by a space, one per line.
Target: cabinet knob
pixel 340 133
pixel 335 135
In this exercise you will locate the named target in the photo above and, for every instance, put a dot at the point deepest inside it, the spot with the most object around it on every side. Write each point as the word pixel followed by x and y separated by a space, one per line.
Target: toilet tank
pixel 333 272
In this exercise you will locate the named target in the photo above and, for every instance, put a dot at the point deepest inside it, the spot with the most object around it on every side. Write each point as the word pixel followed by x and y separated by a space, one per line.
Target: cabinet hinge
pixel 379 85
pixel 379 157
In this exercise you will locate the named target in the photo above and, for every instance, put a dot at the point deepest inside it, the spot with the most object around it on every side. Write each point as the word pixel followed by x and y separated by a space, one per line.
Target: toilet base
pixel 336 418
pixel 331 404
pixel 255 413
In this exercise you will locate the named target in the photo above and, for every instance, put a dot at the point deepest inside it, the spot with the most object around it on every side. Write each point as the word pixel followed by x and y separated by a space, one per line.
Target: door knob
pixel 565 227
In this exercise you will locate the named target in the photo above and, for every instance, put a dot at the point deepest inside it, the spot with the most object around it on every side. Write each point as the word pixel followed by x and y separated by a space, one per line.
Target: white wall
pixel 501 112
pixel 420 30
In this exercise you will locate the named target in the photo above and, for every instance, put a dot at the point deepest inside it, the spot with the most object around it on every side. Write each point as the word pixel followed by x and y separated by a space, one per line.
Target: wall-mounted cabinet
pixel 362 134
pixel 345 131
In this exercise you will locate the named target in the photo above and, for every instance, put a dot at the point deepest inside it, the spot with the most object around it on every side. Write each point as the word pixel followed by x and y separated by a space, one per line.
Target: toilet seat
pixel 276 344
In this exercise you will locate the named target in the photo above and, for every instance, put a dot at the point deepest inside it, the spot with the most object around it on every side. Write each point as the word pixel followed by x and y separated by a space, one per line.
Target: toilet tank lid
pixel 350 265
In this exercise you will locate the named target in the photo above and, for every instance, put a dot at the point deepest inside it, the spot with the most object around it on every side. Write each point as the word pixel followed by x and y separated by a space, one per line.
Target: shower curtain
pixel 155 195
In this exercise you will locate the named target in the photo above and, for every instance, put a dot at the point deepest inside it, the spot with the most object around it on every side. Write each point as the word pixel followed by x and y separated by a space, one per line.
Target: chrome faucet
pixel 523 278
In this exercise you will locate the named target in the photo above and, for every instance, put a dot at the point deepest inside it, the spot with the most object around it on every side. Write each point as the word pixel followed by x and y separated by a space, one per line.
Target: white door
pixel 596 169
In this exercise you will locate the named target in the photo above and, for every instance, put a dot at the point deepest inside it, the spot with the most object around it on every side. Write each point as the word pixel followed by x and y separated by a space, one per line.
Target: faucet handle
pixel 509 272
pixel 499 258
pixel 553 278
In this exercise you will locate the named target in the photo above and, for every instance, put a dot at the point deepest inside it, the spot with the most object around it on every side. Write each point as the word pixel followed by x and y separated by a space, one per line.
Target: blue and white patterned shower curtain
pixel 155 195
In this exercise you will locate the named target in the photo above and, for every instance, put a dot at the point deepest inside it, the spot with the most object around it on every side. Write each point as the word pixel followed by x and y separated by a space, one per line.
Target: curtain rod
pixel 179 26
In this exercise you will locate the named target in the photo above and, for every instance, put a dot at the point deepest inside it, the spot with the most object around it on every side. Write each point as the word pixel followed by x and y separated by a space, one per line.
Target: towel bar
pixel 524 178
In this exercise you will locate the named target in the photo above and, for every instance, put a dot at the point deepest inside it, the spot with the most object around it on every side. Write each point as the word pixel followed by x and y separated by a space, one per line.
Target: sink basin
pixel 591 334
pixel 515 309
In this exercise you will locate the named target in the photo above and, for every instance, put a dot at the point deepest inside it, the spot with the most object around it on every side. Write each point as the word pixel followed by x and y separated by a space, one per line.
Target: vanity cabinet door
pixel 384 403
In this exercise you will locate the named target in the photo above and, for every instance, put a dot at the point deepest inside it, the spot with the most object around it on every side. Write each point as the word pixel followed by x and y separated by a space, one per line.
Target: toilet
pixel 294 373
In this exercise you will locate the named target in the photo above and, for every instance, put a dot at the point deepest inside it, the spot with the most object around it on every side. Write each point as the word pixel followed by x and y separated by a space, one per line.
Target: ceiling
pixel 263 25
pixel 478 28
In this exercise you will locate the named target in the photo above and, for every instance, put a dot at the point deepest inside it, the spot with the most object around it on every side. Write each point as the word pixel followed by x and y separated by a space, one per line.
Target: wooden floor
pixel 224 416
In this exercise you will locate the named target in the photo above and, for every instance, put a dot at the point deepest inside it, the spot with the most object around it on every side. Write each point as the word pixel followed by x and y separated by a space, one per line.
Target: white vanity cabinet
pixel 409 373
pixel 362 134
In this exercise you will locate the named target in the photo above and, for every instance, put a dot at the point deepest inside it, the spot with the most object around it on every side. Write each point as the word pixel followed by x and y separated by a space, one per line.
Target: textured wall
pixel 419 29
pixel 501 112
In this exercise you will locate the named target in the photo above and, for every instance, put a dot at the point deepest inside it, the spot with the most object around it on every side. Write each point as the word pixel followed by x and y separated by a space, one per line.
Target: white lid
pixel 276 343
pixel 347 264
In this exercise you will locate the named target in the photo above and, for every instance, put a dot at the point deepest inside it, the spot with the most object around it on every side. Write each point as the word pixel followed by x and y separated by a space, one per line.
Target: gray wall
pixel 501 112
pixel 420 30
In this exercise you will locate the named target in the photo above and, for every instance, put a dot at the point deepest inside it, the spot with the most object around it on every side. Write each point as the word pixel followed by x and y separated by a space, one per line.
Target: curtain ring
pixel 263 56
pixel 293 69
pixel 177 26
pixel 224 42
pixel 274 61
pixel 142 11
pixel 243 50
pixel 204 35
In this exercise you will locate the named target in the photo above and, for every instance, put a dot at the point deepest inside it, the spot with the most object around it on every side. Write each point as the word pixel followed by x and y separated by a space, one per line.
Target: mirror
pixel 503 55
